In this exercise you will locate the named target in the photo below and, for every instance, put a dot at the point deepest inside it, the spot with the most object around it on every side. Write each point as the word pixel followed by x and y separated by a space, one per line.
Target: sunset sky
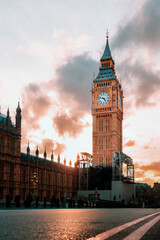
pixel 50 50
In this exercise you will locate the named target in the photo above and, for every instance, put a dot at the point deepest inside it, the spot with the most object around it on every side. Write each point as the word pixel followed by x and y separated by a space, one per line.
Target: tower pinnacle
pixel 107 34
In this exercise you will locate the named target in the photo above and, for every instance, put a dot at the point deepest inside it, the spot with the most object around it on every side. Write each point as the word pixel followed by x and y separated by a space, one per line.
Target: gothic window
pixel 55 179
pixel 62 180
pixel 107 143
pixel 48 179
pixel 23 173
pixel 67 180
pixel 1 172
pixel 2 144
pixel 100 142
pixel 12 171
pixel 107 124
pixel 101 160
pixel 42 177
pixel 8 145
pixel 12 146
pixel 107 160
pixel 101 125
pixel 70 181
pixel 48 195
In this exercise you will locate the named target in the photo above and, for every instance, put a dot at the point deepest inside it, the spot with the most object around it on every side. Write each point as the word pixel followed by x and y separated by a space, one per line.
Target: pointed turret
pixel 45 154
pixel 107 52
pixel 70 163
pixel 37 152
pixel 106 70
pixel 18 118
pixel 28 150
pixel 58 158
pixel 76 163
pixel 8 120
pixel 52 156
pixel 8 112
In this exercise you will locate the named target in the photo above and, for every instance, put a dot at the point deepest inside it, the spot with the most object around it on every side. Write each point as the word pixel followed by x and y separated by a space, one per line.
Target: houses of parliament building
pixel 17 169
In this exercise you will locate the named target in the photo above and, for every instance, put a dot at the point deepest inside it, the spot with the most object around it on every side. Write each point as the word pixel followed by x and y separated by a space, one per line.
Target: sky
pixel 50 51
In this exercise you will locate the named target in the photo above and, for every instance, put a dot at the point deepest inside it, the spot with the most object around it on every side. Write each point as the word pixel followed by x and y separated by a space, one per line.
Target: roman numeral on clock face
pixel 103 98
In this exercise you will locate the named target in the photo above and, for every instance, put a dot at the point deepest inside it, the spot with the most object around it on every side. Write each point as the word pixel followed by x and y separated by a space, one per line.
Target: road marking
pixel 138 234
pixel 115 230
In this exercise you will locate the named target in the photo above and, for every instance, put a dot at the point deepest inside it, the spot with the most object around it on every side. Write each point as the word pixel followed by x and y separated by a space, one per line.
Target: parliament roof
pixel 2 118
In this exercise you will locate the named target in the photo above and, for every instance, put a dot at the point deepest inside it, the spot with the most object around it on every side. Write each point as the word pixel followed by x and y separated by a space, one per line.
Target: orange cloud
pixel 154 166
pixel 148 181
pixel 144 170
pixel 35 104
pixel 146 147
pixel 71 125
pixel 139 174
pixel 130 143
pixel 50 146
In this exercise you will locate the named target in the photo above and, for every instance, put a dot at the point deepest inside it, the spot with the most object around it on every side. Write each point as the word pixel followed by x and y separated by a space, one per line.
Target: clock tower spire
pixel 107 111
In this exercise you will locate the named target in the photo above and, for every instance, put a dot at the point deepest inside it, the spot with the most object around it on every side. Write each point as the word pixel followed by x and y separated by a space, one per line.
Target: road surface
pixel 79 224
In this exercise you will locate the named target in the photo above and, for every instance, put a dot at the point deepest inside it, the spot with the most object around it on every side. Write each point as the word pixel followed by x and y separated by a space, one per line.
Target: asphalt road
pixel 78 224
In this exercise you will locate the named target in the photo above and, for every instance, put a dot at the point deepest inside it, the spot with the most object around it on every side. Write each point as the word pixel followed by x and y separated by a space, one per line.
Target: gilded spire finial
pixel 107 34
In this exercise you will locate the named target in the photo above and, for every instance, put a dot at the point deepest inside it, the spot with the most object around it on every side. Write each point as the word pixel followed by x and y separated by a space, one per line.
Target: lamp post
pixel 34 180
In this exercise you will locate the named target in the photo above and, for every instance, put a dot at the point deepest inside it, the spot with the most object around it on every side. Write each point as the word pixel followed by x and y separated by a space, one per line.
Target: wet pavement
pixel 67 224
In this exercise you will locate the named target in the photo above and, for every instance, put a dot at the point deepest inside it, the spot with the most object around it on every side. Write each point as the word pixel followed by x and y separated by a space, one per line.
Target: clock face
pixel 120 101
pixel 103 98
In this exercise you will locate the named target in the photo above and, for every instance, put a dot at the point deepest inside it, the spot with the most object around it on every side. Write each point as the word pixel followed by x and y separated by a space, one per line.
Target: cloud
pixel 35 104
pixel 139 174
pixel 154 166
pixel 73 85
pixel 138 41
pixel 74 80
pixel 50 146
pixel 130 143
pixel 72 125
pixel 143 171
pixel 140 81
pixel 67 94
pixel 149 181
pixel 142 29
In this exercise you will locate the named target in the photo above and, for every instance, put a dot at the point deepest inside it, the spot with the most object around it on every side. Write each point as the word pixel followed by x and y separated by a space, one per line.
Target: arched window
pixel 1 144
pixel 107 124
pixel 107 143
pixel 101 125
pixel 101 160
pixel 12 147
pixel 100 142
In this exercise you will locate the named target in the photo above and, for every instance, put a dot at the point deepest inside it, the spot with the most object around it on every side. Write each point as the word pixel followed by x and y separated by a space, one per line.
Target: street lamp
pixel 34 180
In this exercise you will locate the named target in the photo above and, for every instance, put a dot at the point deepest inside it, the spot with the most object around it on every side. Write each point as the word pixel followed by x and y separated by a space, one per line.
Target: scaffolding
pixel 120 159
pixel 84 163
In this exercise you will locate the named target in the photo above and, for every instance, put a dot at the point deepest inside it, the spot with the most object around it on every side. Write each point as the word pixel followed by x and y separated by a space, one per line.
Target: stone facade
pixel 16 168
pixel 107 112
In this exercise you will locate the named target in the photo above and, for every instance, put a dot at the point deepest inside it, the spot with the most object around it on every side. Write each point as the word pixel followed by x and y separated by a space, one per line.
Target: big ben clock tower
pixel 107 112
